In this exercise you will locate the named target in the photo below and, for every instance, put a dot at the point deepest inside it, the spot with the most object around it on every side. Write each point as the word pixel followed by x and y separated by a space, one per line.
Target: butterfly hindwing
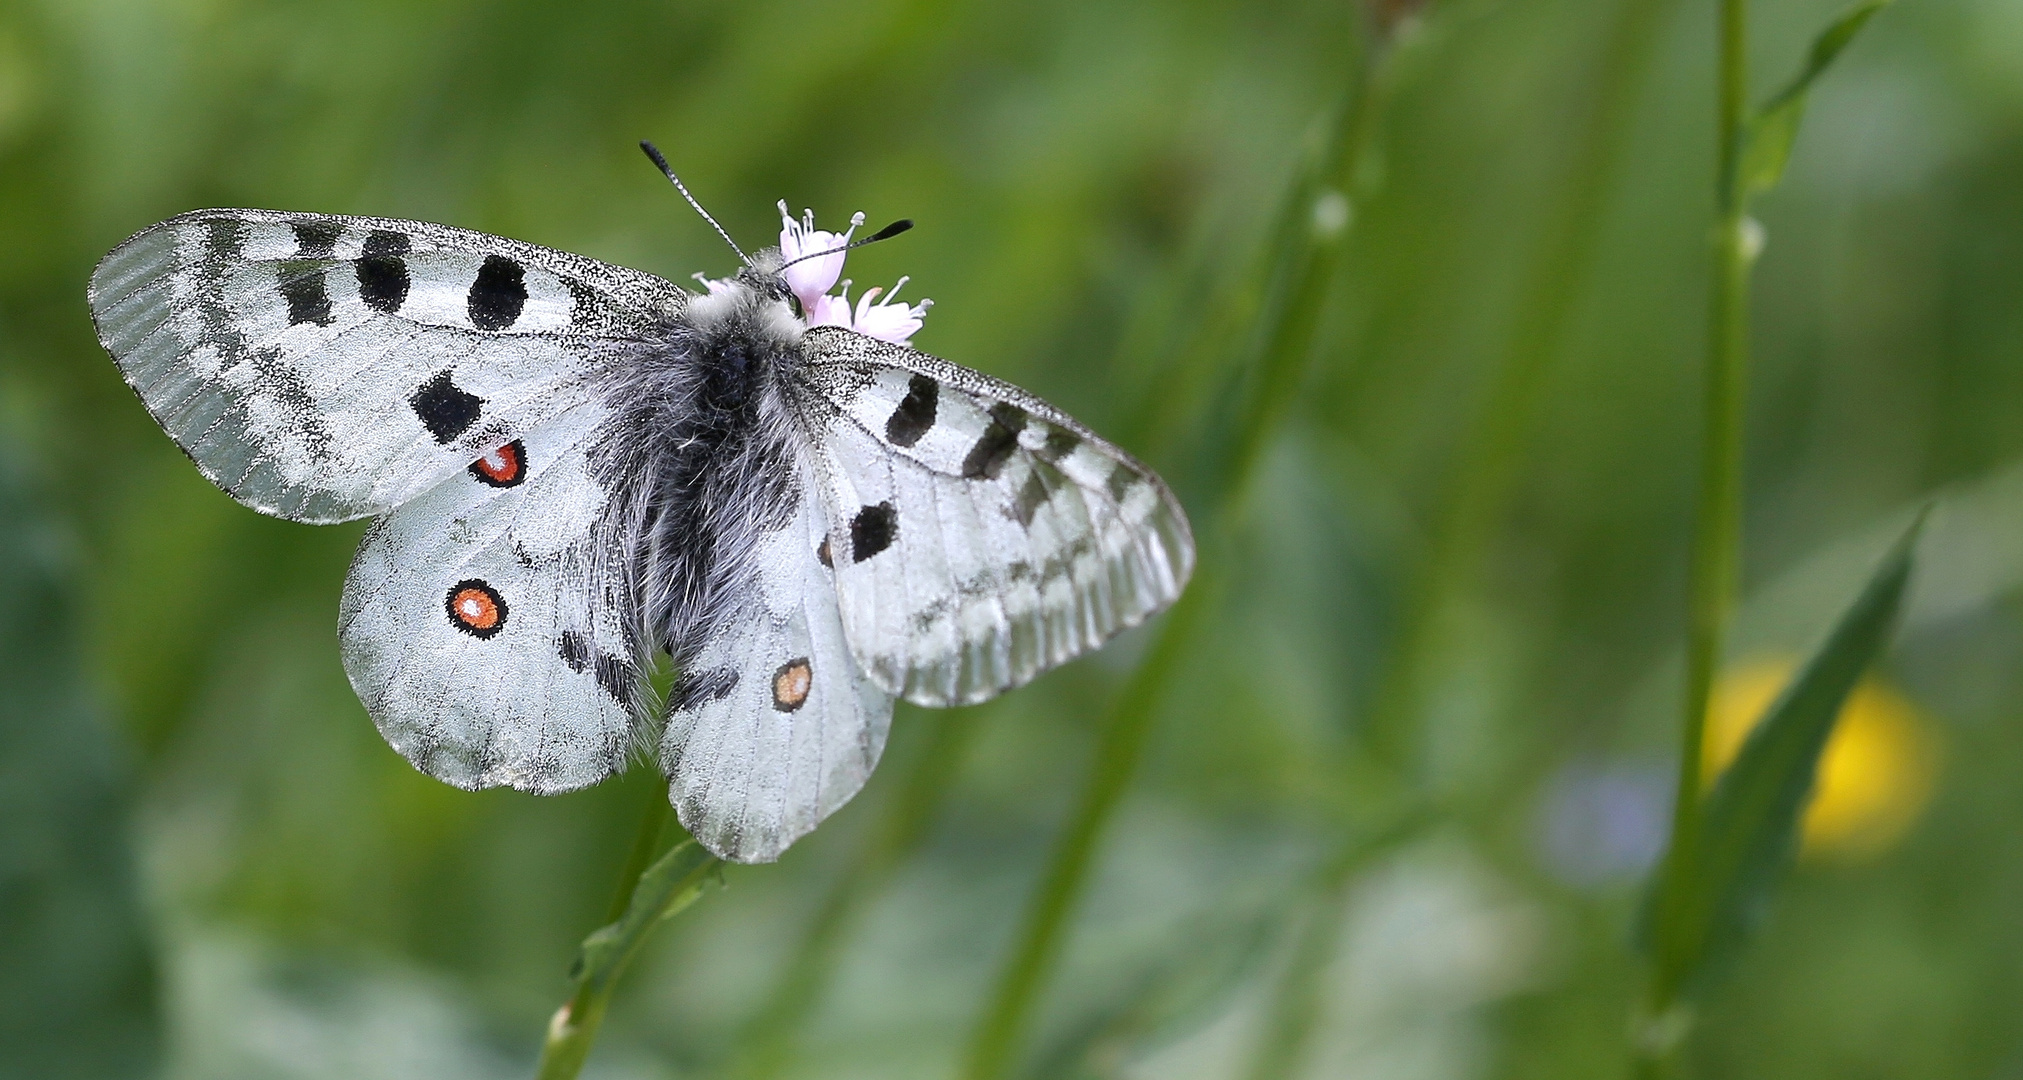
pixel 481 627
pixel 324 368
pixel 980 535
pixel 771 726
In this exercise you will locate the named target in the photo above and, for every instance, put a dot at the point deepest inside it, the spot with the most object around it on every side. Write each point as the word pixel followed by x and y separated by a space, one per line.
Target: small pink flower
pixel 812 278
pixel 831 310
pixel 889 320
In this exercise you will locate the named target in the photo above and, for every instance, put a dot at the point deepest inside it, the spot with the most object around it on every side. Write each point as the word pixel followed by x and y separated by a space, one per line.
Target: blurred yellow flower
pixel 1874 777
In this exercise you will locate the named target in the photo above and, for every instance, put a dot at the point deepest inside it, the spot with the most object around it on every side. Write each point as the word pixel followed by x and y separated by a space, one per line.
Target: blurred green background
pixel 211 866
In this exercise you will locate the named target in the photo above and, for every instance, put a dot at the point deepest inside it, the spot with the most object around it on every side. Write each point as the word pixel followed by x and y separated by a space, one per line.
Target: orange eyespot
pixel 476 608
pixel 791 684
pixel 503 467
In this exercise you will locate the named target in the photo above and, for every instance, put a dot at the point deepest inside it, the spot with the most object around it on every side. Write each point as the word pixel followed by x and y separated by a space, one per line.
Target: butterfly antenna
pixel 660 160
pixel 886 233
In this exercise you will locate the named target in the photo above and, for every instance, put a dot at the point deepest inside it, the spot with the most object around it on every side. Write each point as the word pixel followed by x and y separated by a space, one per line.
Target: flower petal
pixel 811 277
pixel 889 321
pixel 829 311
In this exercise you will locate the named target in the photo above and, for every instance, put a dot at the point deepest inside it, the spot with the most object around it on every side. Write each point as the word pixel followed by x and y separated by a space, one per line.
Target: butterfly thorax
pixel 699 455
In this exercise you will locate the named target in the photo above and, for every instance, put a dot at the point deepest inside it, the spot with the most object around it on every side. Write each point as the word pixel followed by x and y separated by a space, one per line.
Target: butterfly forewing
pixel 980 535
pixel 482 628
pixel 772 727
pixel 325 368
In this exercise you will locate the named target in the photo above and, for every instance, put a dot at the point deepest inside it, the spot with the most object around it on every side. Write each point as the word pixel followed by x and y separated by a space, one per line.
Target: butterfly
pixel 577 469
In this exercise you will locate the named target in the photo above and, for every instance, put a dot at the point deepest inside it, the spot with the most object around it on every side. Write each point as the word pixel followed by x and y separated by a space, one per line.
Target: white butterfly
pixel 575 466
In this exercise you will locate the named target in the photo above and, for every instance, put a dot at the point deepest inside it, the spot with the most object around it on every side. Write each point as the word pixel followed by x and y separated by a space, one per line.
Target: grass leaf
pixel 1707 900
pixel 1774 129
pixel 666 887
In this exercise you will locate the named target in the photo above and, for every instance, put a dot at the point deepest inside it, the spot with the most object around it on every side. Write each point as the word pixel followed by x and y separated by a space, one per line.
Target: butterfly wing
pixel 772 726
pixel 483 628
pixel 323 368
pixel 980 536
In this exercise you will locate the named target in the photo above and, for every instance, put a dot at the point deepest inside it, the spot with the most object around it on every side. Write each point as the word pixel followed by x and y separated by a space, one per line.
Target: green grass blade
pixel 1708 900
pixel 1774 129
pixel 664 890
pixel 666 887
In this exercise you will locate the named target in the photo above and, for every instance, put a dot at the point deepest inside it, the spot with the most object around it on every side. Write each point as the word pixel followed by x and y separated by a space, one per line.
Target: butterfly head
pixel 787 288
pixel 756 304
pixel 780 292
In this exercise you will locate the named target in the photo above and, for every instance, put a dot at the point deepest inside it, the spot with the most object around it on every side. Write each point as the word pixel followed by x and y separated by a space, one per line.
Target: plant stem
pixel 645 845
pixel 1483 478
pixel 1717 536
pixel 1312 226
pixel 649 890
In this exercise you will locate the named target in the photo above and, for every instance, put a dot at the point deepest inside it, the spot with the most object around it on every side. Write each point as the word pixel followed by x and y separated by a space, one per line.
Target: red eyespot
pixel 503 467
pixel 476 608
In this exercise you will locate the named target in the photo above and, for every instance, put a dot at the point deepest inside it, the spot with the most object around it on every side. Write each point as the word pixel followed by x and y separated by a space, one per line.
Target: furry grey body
pixel 699 458
pixel 575 466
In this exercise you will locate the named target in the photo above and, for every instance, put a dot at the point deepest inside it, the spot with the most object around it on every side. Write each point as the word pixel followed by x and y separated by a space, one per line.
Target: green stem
pixel 1717 535
pixel 1484 476
pixel 646 895
pixel 770 1041
pixel 645 845
pixel 1311 229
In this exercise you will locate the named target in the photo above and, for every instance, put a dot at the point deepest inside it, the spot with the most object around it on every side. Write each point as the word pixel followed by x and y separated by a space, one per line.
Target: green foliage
pixel 664 890
pixel 1774 129
pixel 673 882
pixel 1704 902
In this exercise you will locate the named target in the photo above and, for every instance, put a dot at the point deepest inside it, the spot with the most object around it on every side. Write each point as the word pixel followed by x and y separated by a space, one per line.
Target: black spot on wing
pixel 382 274
pixel 223 240
pixel 995 446
pixel 445 409
pixel 822 553
pixel 387 242
pixel 315 239
pixel 498 294
pixel 584 305
pixel 915 413
pixel 701 687
pixel 302 287
pixel 872 531
pixel 383 282
pixel 574 651
pixel 616 677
